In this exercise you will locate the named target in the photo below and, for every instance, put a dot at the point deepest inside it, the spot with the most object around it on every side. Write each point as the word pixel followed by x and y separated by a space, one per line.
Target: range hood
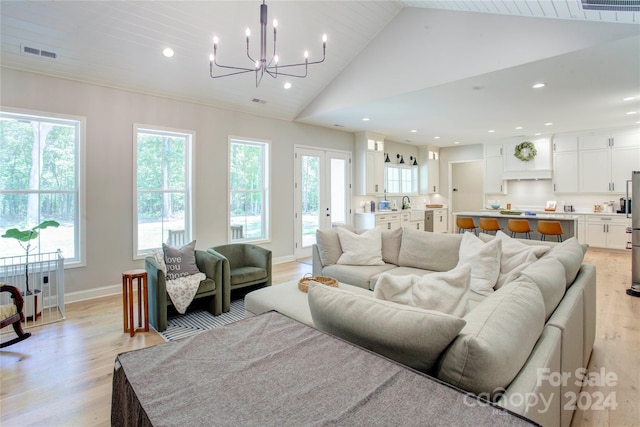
pixel 538 167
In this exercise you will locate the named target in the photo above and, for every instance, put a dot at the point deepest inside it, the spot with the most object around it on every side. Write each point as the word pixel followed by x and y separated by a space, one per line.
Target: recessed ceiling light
pixel 167 52
pixel 414 130
pixel 436 137
pixel 539 85
pixel 629 98
pixel 518 127
pixel 548 124
pixel 537 134
pixel 287 85
pixel 630 113
pixel 456 142
pixel 365 119
pixel 492 131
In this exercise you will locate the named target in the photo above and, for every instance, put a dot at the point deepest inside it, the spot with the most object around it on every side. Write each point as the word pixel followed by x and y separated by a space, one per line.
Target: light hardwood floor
pixel 61 376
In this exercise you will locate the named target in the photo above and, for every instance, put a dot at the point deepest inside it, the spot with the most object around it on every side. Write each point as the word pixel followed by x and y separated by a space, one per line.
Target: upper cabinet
pixel 429 158
pixel 369 164
pixel 607 160
pixel 565 163
pixel 493 166
pixel 538 167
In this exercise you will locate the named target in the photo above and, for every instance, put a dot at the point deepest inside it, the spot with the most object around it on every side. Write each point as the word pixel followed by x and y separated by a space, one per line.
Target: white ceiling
pixel 452 69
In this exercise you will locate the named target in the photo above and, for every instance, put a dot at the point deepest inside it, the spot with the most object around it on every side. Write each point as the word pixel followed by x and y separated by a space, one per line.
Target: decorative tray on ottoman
pixel 303 284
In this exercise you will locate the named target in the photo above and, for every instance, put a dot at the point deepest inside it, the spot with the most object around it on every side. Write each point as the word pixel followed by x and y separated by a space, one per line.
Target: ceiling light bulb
pixel 275 23
pixel 365 119
pixel 215 40
pixel 436 137
pixel 548 124
pixel 287 85
pixel 492 131
pixel 630 113
pixel 324 38
pixel 306 54
pixel 167 52
pixel 456 142
pixel 629 98
pixel 414 130
pixel 247 32
pixel 211 58
pixel 276 59
pixel 539 85
pixel 518 127
pixel 257 65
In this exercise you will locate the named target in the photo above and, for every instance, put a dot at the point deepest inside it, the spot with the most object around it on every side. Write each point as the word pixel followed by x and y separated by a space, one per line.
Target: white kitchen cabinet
pixel 369 164
pixel 429 170
pixel 565 142
pixel 606 170
pixel 609 139
pixel 565 172
pixel 493 166
pixel 606 231
pixel 440 220
pixel 389 221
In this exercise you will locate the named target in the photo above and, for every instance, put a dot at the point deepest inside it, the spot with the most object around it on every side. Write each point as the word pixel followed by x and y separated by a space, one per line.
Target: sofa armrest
pixel 225 273
pixel 259 257
pixel 210 265
pixel 157 288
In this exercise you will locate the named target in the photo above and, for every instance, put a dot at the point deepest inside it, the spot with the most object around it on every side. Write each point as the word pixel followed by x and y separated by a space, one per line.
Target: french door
pixel 323 194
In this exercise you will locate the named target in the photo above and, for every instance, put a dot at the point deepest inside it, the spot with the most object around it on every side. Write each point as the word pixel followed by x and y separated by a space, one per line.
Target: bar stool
pixel 487 225
pixel 128 277
pixel 519 226
pixel 465 223
pixel 550 228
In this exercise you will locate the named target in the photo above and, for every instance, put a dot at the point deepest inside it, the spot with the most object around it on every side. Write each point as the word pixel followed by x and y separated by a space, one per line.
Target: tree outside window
pixel 40 180
pixel 248 190
pixel 163 176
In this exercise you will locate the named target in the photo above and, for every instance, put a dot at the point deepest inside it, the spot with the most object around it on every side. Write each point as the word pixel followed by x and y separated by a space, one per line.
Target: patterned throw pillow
pixel 180 262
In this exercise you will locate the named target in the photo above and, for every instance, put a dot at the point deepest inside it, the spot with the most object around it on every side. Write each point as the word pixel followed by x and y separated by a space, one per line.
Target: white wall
pixel 110 114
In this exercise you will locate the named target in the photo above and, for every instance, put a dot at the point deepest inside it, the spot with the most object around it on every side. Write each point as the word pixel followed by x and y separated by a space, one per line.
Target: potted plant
pixel 24 238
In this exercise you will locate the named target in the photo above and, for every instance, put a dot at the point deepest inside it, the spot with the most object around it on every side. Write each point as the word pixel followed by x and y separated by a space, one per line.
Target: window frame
pixel 79 232
pixel 266 188
pixel 189 188
pixel 402 182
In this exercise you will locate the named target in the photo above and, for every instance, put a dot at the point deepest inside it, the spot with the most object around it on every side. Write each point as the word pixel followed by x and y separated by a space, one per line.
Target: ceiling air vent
pixel 38 52
pixel 259 101
pixel 612 5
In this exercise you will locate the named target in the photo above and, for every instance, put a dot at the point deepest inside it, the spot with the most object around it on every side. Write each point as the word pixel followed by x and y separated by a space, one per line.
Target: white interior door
pixel 323 194
pixel 467 186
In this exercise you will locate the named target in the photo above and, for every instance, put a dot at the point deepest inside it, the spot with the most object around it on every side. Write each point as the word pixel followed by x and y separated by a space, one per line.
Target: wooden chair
pixel 176 238
pixel 550 228
pixel 487 225
pixel 11 314
pixel 465 223
pixel 519 226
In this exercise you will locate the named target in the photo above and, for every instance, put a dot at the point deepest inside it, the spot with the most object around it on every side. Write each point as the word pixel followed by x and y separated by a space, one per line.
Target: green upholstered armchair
pixel 211 287
pixel 243 265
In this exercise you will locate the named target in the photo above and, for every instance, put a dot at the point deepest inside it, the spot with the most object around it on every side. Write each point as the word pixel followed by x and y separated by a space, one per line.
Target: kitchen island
pixel 568 221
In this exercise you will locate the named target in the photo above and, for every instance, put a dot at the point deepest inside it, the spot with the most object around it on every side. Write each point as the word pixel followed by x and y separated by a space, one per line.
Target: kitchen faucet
pixel 407 204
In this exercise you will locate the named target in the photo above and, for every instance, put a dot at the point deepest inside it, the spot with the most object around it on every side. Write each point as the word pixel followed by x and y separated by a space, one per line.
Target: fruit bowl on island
pixel 495 206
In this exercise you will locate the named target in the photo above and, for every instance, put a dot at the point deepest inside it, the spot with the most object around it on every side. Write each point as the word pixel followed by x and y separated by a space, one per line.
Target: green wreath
pixel 529 151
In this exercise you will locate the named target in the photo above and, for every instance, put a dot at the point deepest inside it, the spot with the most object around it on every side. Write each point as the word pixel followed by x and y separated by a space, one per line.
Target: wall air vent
pixel 612 5
pixel 38 52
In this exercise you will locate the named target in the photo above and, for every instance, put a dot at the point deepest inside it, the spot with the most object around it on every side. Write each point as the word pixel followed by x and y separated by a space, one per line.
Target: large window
pixel 163 182
pixel 248 190
pixel 401 179
pixel 40 179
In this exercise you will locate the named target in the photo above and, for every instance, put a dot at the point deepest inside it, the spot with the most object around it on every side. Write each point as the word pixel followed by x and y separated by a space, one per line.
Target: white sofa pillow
pixel 429 251
pixel 360 249
pixel 570 253
pixel 484 259
pixel 445 292
pixel 516 256
pixel 408 335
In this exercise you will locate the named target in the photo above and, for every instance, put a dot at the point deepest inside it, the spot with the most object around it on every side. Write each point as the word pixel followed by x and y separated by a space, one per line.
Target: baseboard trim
pixel 109 290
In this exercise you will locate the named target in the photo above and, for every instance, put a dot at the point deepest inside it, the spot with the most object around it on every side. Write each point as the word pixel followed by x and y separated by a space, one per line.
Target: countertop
pixel 568 216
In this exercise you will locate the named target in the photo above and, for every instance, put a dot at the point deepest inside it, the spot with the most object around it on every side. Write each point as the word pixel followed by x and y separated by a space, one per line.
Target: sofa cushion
pixel 496 341
pixel 516 256
pixel 391 240
pixel 429 251
pixel 484 259
pixel 180 262
pixel 358 276
pixel 329 247
pixel 409 335
pixel 398 271
pixel 360 249
pixel 570 253
pixel 548 274
pixel 445 291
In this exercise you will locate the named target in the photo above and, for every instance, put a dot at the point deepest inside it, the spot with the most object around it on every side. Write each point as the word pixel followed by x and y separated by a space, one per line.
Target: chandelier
pixel 261 66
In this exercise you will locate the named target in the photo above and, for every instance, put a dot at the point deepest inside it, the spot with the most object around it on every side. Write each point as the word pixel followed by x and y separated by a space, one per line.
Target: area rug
pixel 196 321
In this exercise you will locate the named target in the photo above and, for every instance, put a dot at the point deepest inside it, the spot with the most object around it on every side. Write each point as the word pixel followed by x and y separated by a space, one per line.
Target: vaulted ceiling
pixel 452 71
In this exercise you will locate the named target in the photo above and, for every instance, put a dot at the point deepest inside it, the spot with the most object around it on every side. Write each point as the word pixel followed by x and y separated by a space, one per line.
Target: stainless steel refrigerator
pixel 635 233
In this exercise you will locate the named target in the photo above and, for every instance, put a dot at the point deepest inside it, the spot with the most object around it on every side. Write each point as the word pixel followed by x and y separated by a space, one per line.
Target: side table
pixel 128 277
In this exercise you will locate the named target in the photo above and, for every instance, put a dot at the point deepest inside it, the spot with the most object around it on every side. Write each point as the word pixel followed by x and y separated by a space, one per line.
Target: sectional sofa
pixel 526 315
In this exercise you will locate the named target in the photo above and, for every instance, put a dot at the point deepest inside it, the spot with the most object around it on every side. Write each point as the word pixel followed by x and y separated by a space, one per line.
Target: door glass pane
pixel 338 192
pixel 310 199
